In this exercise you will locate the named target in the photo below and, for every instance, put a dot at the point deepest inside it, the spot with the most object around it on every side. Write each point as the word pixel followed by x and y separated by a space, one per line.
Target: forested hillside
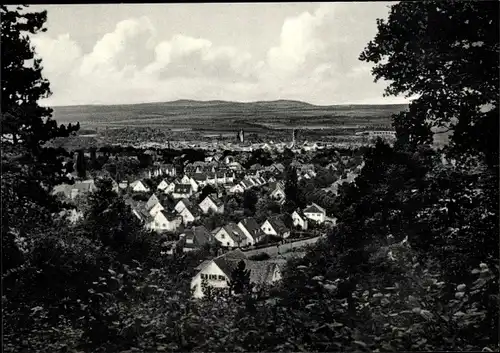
pixel 411 266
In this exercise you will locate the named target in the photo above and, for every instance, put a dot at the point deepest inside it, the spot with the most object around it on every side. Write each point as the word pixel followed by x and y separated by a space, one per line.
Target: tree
pixel 240 279
pixel 207 190
pixel 250 200
pixel 81 165
pixel 453 71
pixel 291 181
pixel 23 83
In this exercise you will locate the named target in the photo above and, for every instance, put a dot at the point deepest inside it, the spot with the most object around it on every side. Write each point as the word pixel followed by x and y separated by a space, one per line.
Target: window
pixel 221 278
pixel 222 236
pixel 164 225
pixel 203 276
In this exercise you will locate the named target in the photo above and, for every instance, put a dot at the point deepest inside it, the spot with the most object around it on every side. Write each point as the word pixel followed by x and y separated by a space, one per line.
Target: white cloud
pixel 315 59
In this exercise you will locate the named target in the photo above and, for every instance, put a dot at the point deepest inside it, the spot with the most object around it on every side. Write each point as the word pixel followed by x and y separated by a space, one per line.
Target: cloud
pixel 315 59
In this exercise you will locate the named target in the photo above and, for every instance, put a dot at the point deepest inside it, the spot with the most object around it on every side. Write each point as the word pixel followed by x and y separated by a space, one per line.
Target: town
pixel 230 200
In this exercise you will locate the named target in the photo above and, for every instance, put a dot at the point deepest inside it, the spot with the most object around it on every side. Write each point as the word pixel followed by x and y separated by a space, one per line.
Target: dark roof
pixel 182 188
pixel 250 225
pixel 234 232
pixel 261 272
pixel 200 236
pixel 185 201
pixel 169 215
pixel 313 209
pixel 278 225
pixel 199 176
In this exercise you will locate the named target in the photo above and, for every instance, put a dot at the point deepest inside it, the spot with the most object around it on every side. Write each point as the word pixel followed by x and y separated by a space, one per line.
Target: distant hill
pixel 193 112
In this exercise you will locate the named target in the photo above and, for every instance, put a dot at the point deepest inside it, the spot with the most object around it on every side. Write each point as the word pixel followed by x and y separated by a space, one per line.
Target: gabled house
pixel 182 204
pixel 213 204
pixel 235 166
pixel 251 229
pixel 165 221
pixel 182 191
pixel 77 189
pixel 195 238
pixel 247 184
pixel 230 236
pixel 236 189
pixel 299 220
pixel 315 213
pixel 163 185
pixel 275 226
pixel 152 201
pixel 139 186
pixel 185 179
pixel 190 214
pixel 171 187
pixel 153 210
pixel 277 192
pixel 169 169
pixel 217 272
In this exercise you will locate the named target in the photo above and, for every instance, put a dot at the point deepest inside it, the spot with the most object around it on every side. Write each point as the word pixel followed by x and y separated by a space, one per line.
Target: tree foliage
pixel 453 71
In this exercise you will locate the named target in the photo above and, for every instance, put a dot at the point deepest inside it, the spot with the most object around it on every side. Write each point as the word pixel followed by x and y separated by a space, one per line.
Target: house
pixel 163 185
pixel 153 200
pixel 182 204
pixel 153 210
pixel 278 192
pixel 275 226
pixel 217 272
pixel 230 236
pixel 190 214
pixel 315 213
pixel 235 166
pixel 277 168
pixel 165 221
pixel 185 179
pixel 195 238
pixel 182 191
pixel 299 220
pixel 246 184
pixel 77 189
pixel 251 229
pixel 139 186
pixel 236 189
pixel 213 204
pixel 170 170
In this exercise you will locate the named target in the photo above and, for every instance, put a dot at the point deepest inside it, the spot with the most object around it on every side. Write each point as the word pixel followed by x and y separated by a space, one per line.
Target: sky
pixel 137 53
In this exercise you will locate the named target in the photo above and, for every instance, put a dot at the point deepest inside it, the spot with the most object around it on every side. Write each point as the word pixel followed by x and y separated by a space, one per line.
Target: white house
pixel 189 215
pixel 162 185
pixel 217 272
pixel 251 229
pixel 171 187
pixel 236 189
pixel 185 179
pixel 315 213
pixel 164 221
pixel 213 204
pixel 182 191
pixel 230 236
pixel 138 186
pixel 278 194
pixel 275 226
pixel 182 204
pixel 155 209
pixel 299 220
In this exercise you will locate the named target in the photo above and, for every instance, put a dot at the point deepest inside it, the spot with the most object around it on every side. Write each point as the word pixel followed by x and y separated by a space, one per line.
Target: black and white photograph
pixel 250 177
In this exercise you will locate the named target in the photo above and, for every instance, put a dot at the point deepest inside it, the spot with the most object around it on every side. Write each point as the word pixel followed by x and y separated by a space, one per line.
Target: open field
pixel 221 116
